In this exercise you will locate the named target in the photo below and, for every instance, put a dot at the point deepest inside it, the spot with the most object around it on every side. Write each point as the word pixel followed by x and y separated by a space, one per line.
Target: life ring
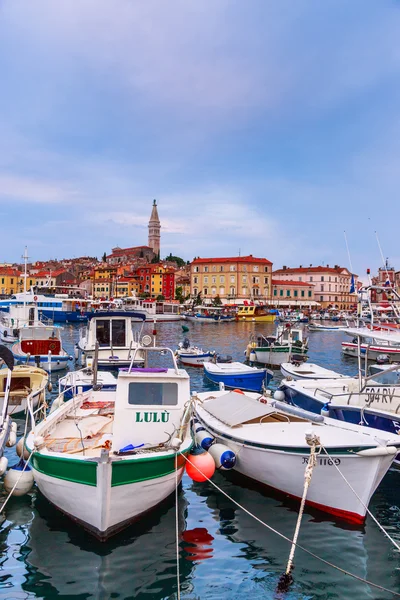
pixel 35 298
pixel 52 346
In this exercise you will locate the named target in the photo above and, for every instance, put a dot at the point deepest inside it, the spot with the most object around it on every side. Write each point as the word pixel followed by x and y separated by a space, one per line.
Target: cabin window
pixel 153 394
pixel 118 333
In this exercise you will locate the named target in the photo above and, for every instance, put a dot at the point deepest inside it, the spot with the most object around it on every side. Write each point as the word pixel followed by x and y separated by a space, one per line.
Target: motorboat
pixel 273 444
pixel 299 370
pixel 24 381
pixel 193 356
pixel 273 350
pixel 237 375
pixel 105 458
pixel 154 310
pixel 256 313
pixel 209 314
pixel 112 332
pixel 41 346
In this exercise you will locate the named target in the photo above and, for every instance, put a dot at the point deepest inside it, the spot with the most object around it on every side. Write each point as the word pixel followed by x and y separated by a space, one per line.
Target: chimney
pixel 284 267
pixel 301 266
pixel 327 266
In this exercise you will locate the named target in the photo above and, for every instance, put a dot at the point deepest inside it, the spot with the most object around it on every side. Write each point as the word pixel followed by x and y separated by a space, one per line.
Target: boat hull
pixel 105 497
pixel 274 357
pixel 350 349
pixel 57 363
pixel 195 360
pixel 251 382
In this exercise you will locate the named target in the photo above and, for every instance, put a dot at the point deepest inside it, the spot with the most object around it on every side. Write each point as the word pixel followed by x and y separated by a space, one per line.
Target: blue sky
pixel 264 126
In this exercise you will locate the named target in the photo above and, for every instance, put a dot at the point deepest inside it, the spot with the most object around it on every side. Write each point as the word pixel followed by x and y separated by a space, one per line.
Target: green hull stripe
pixel 133 471
pixel 69 469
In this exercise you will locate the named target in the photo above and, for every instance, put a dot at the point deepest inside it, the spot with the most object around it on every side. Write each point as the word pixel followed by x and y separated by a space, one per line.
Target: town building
pixel 11 281
pixel 292 294
pixel 233 279
pixel 332 285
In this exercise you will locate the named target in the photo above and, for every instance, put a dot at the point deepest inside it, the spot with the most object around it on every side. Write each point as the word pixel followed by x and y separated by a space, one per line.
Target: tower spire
pixel 154 230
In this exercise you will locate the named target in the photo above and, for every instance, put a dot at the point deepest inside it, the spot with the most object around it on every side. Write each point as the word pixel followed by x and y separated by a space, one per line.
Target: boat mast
pixel 25 257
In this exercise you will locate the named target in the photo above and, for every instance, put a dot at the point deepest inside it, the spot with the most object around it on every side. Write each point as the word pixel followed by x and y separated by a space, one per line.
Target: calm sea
pixel 224 553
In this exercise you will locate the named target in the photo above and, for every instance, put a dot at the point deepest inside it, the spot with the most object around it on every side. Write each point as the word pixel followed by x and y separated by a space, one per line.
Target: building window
pixel 311 278
pixel 266 280
pixel 321 298
pixel 221 268
pixel 295 293
pixel 195 269
pixel 205 279
pixel 244 291
pixel 309 293
pixel 214 268
pixel 275 292
pixel 232 279
pixel 322 288
pixel 255 269
pixel 244 278
pixel 232 268
pixel 322 278
pixel 205 291
pixel 214 280
pixel 281 292
pixel 256 280
pixel 195 279
pixel 221 291
pixel 287 292
pixel 205 269
pixel 232 291
pixel 302 293
pixel 222 278
pixel 266 269
pixel 195 291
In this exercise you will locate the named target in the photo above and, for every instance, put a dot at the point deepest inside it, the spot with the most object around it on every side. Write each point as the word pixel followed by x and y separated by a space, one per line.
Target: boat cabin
pixel 40 340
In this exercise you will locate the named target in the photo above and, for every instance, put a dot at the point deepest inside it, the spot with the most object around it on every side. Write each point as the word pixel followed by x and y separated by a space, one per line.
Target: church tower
pixel 154 230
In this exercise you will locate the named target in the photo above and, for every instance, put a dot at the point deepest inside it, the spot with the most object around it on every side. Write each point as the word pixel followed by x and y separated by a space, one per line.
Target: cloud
pixel 23 189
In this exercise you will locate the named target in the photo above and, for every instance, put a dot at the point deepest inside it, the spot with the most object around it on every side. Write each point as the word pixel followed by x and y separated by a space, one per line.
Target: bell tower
pixel 154 230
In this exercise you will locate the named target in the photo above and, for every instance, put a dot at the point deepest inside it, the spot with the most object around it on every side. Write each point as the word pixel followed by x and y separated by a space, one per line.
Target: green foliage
pixel 216 301
pixel 144 295
pixel 179 261
pixel 104 257
pixel 197 301
pixel 160 298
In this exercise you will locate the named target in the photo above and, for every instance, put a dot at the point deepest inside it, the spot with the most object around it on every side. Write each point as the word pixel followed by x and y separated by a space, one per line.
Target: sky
pixel 261 127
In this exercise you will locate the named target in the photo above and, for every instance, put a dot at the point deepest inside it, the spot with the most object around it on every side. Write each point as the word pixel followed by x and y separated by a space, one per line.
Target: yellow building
pixel 232 279
pixel 11 282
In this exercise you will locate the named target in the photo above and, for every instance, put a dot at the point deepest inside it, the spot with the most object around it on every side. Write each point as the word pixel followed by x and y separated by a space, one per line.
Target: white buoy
pixel 21 451
pixel 3 465
pixel 204 439
pixel 76 353
pixel 24 478
pixel 252 356
pixel 223 456
pixel 279 395
pixel 12 439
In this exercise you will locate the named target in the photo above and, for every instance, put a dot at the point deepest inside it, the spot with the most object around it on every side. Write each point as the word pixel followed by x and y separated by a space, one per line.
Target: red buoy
pixel 200 466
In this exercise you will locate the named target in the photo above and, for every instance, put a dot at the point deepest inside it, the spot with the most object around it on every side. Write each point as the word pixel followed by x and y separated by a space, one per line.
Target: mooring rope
pixel 281 535
pixel 16 483
pixel 364 505
pixel 177 527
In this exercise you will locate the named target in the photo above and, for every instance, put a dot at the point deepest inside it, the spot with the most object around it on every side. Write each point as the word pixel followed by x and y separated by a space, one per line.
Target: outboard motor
pixel 298 359
pixel 383 359
pixel 186 343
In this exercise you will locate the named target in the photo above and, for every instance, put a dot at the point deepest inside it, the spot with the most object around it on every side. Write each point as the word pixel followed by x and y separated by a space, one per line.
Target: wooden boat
pixel 113 333
pixel 272 442
pixel 42 347
pixel 25 381
pixel 297 370
pixel 258 314
pixel 237 375
pixel 275 349
pixel 107 457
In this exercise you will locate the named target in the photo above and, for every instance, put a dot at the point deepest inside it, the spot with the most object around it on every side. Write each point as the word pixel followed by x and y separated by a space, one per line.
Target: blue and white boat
pixel 41 346
pixel 210 314
pixel 193 356
pixel 371 404
pixel 84 380
pixel 59 308
pixel 386 373
pixel 236 375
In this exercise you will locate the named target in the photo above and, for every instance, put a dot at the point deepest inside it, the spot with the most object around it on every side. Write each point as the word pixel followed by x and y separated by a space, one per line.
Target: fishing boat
pixel 273 444
pixel 273 350
pixel 319 327
pixel 255 313
pixel 60 308
pixel 297 370
pixel 209 314
pixel 19 383
pixel 41 346
pixel 237 375
pixel 105 458
pixel 193 356
pixel 113 333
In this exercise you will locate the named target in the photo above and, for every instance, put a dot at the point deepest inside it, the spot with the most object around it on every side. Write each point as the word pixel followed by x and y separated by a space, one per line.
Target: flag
pixel 388 283
pixel 352 285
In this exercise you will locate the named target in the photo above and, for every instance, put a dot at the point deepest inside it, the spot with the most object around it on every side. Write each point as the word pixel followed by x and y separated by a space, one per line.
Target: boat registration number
pixel 382 395
pixel 323 461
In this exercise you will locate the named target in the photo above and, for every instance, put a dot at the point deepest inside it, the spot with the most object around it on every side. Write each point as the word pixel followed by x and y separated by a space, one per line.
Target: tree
pixel 104 257
pixel 160 298
pixel 197 301
pixel 216 301
pixel 179 294
pixel 177 259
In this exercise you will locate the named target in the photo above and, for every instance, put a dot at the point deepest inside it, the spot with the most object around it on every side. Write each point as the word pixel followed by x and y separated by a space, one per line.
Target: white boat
pixel 297 370
pixel 318 327
pixel 273 350
pixel 209 314
pixel 113 333
pixel 26 381
pixel 154 311
pixel 237 375
pixel 105 458
pixel 8 429
pixel 373 342
pixel 41 346
pixel 384 373
pixel 193 356
pixel 19 315
pixel 272 443
pixel 83 380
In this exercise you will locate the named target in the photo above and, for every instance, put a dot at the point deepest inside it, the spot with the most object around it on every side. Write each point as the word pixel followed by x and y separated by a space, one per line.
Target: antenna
pixel 239 251
pixel 385 265
pixel 348 251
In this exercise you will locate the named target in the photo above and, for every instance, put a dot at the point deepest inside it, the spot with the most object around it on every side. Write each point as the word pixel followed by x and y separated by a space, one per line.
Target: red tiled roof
pixel 336 270
pixel 9 271
pixel 234 259
pixel 289 282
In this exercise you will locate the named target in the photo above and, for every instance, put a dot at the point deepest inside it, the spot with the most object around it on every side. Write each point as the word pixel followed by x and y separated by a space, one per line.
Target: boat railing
pixel 147 349
pixel 327 395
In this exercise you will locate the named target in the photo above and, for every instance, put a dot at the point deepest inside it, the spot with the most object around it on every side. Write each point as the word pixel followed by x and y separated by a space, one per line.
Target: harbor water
pixel 224 552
